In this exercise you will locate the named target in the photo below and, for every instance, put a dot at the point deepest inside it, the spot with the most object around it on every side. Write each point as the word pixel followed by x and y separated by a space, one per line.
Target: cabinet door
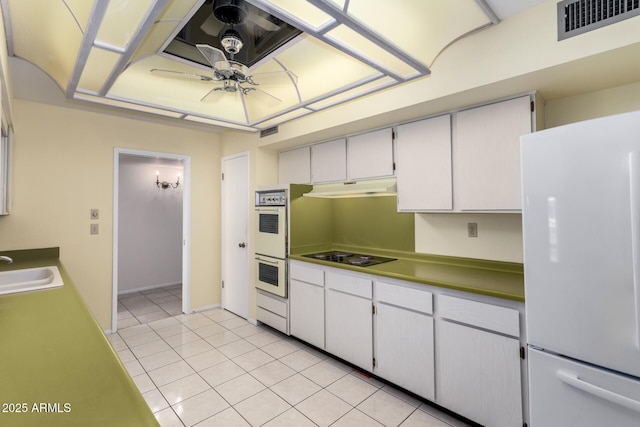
pixel 404 349
pixel 349 328
pixel 370 155
pixel 423 165
pixel 329 161
pixel 306 316
pixel 294 166
pixel 478 375
pixel 486 155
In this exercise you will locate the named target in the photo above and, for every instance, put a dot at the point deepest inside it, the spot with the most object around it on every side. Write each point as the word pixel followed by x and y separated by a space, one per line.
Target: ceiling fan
pixel 233 77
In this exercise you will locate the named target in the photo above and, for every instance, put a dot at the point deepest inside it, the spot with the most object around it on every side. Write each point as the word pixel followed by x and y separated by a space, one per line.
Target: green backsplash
pixel 373 222
pixel 363 221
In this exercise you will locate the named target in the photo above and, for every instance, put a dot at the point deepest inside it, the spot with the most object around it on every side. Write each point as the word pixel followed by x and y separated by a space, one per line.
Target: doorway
pixel 150 236
pixel 235 219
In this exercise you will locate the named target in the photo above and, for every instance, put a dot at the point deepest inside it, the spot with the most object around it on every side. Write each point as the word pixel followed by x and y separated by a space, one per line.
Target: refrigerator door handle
pixel 574 381
pixel 634 188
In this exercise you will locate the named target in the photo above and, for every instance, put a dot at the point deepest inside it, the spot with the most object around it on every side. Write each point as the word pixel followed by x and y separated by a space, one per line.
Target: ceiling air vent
pixel 580 16
pixel 268 131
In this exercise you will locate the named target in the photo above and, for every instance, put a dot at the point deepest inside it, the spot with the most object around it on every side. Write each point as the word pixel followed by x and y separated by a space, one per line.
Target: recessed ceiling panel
pixel 97 69
pixel 160 32
pixel 304 12
pixel 352 93
pixel 322 68
pixel 419 28
pixel 81 9
pixel 356 42
pixel 49 37
pixel 121 20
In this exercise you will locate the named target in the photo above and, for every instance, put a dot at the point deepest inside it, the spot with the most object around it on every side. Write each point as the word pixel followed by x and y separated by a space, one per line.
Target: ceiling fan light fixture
pixel 231 41
pixel 232 12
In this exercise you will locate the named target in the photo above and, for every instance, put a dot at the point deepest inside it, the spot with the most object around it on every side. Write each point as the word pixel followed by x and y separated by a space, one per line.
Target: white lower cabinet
pixel 306 303
pixel 479 371
pixel 403 338
pixel 349 322
pixel 459 350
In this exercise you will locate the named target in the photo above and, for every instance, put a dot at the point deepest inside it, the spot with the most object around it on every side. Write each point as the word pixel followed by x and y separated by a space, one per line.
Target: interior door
pixel 235 218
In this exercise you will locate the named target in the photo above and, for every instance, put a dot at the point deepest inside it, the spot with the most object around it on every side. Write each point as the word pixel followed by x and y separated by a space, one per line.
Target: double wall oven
pixel 271 244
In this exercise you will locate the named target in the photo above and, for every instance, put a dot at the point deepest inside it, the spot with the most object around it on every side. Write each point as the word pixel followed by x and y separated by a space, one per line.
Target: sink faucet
pixel 6 258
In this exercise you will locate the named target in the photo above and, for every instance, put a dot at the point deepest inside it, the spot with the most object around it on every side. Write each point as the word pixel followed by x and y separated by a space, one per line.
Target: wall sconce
pixel 164 184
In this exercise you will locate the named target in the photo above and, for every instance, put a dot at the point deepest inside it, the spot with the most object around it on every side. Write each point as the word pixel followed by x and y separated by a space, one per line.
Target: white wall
pixel 149 224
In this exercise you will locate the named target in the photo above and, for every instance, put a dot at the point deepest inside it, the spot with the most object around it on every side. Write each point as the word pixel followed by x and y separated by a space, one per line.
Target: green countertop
pixel 56 365
pixel 491 278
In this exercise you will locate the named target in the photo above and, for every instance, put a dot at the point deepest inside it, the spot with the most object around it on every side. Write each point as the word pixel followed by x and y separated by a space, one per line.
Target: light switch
pixel 94 229
pixel 95 214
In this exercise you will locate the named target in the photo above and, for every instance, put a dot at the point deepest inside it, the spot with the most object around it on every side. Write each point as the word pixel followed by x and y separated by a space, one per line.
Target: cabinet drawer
pixel 306 274
pixel 274 305
pixel 486 316
pixel 405 297
pixel 275 321
pixel 350 285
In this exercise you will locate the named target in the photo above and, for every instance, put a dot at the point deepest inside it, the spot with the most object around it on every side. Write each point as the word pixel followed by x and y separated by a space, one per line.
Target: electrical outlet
pixel 94 229
pixel 95 214
pixel 472 229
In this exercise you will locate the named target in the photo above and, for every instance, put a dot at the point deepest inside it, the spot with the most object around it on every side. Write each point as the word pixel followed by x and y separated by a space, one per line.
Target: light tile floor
pixel 214 368
pixel 147 306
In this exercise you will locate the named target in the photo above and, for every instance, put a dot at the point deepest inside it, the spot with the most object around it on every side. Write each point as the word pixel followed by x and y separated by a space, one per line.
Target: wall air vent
pixel 268 131
pixel 580 16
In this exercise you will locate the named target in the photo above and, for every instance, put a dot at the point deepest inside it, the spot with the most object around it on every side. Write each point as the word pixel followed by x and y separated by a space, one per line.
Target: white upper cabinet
pixel 423 158
pixel 370 155
pixel 329 161
pixel 294 166
pixel 486 155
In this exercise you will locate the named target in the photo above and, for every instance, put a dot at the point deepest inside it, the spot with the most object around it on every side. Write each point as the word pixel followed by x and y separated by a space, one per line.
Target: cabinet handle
pixel 242 245
pixel 634 188
pixel 618 399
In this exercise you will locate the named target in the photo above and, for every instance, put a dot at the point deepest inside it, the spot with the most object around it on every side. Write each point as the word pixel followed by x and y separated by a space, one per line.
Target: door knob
pixel 242 245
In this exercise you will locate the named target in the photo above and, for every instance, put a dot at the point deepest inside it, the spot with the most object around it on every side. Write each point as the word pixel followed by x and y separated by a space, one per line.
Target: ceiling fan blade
pixel 214 95
pixel 212 26
pixel 181 75
pixel 263 22
pixel 275 78
pixel 212 54
pixel 263 97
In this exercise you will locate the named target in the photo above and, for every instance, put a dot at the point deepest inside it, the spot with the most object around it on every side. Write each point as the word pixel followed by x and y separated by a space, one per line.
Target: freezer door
pixel 580 197
pixel 565 393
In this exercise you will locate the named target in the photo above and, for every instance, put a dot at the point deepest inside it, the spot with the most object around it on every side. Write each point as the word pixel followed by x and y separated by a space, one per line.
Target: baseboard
pixel 207 307
pixel 147 288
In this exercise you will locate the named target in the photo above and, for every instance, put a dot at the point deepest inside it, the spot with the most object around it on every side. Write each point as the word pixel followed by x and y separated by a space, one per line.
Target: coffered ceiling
pixel 104 52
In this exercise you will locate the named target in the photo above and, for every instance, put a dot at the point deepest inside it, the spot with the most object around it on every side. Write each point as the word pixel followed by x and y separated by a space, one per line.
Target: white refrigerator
pixel 581 228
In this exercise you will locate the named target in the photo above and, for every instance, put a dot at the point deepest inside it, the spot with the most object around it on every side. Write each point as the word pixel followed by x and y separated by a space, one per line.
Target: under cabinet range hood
pixel 365 188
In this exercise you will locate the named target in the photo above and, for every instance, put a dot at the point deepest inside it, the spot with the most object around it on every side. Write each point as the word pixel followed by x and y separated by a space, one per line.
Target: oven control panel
pixel 271 198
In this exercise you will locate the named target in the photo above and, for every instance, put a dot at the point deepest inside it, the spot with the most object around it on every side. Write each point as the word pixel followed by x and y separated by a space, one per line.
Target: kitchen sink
pixel 30 279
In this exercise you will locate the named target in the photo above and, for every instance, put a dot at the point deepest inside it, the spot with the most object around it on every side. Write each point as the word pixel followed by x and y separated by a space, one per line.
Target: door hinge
pixel 533 106
pixel 223 176
pixel 374 362
pixel 223 284
pixel 394 166
pixel 522 355
pixel 373 309
pixel 393 134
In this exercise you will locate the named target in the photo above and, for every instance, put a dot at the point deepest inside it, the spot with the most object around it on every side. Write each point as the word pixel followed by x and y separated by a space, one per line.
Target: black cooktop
pixel 360 260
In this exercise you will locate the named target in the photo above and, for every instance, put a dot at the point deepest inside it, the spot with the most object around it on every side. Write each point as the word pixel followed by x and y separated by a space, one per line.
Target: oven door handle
pixel 267 261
